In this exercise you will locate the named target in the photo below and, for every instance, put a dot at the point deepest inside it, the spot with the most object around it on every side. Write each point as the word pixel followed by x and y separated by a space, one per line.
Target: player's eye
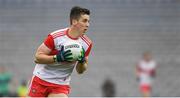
pixel 85 20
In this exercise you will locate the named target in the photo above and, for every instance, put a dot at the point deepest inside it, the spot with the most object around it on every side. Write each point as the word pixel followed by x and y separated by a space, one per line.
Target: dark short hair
pixel 77 11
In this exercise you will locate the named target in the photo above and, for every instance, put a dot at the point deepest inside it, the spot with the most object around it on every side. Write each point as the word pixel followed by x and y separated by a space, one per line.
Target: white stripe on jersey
pixel 86 40
pixel 57 31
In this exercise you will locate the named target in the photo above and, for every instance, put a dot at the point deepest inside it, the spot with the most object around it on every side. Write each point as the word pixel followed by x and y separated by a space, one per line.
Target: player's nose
pixel 87 24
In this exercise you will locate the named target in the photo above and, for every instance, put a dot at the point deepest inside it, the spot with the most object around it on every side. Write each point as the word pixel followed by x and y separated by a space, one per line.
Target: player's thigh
pixel 58 95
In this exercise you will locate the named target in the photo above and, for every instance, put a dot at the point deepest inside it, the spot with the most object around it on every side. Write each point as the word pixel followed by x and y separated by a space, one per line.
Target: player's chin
pixel 82 33
pixel 85 30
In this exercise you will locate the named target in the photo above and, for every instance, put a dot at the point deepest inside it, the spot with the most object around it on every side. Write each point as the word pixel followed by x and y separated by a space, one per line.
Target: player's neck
pixel 147 60
pixel 73 33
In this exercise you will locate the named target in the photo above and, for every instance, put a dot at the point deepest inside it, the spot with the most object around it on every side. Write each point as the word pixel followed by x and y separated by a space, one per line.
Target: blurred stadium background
pixel 120 29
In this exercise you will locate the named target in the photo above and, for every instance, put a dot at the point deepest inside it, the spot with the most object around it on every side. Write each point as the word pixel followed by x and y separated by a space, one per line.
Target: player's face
pixel 147 57
pixel 82 24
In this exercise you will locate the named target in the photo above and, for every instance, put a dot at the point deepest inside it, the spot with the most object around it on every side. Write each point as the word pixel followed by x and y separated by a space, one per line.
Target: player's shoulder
pixel 86 39
pixel 141 61
pixel 58 33
pixel 153 62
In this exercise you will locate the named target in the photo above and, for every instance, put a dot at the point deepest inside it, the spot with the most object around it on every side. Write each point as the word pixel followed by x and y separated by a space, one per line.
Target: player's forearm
pixel 44 59
pixel 81 67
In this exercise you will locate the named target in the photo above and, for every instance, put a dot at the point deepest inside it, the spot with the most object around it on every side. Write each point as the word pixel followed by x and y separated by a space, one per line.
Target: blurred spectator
pixel 108 88
pixel 22 89
pixel 5 79
pixel 13 88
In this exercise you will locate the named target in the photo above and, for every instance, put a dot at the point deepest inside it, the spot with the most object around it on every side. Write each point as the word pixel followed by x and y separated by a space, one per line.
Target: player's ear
pixel 74 21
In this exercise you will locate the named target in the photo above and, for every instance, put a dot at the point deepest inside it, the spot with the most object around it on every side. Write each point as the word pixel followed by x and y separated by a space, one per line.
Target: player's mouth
pixel 85 30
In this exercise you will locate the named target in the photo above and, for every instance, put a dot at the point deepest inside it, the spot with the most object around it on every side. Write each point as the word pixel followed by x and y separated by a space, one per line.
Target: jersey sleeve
pixel 49 42
pixel 88 50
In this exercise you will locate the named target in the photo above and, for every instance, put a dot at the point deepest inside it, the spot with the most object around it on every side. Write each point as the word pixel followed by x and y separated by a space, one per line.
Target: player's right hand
pixel 64 55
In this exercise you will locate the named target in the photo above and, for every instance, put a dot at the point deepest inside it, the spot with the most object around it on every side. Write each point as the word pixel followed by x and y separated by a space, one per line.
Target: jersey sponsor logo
pixel 72 46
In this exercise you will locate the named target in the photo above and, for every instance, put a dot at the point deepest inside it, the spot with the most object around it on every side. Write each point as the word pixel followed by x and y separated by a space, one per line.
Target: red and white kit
pixel 145 72
pixel 58 74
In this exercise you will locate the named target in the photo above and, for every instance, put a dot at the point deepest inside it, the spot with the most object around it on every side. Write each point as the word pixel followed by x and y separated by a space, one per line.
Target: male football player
pixel 145 73
pixel 52 73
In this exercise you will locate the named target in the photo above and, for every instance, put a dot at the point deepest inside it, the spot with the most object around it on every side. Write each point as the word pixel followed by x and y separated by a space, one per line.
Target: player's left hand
pixel 81 68
pixel 81 58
